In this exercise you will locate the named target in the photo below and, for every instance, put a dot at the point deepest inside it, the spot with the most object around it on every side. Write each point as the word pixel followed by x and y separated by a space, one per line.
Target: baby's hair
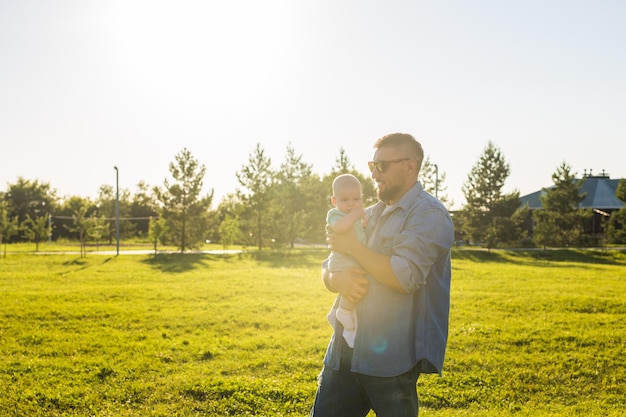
pixel 345 180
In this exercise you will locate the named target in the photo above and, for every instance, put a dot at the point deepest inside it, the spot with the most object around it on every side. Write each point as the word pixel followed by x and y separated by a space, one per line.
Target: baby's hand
pixel 364 219
pixel 357 213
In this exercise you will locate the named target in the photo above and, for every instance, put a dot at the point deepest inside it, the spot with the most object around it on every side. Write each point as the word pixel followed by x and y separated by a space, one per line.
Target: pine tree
pixel 290 213
pixel 487 214
pixel 561 222
pixel 185 211
pixel 257 178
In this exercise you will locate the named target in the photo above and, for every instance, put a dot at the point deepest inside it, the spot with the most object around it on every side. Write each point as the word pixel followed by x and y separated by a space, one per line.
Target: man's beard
pixel 389 193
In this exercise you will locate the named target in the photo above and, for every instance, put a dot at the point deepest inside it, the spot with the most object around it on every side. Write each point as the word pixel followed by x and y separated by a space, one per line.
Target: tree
pixel 81 225
pixel 342 164
pixel 64 217
pixel 291 208
pixel 229 231
pixel 97 228
pixel 561 222
pixel 316 192
pixel 9 226
pixel 487 212
pixel 232 207
pixel 433 181
pixel 37 229
pixel 522 220
pixel 105 204
pixel 181 205
pixel 143 207
pixel 157 231
pixel 32 198
pixel 257 178
pixel 507 219
pixel 617 221
pixel 545 229
pixel 621 190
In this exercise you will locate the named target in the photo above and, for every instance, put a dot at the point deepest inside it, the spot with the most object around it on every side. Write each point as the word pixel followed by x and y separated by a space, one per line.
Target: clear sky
pixel 89 85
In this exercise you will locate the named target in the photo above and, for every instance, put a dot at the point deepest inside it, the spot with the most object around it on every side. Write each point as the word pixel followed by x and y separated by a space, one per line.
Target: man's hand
pixel 351 283
pixel 341 242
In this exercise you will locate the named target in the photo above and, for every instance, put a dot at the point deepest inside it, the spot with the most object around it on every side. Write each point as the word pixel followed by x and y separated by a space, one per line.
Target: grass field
pixel 532 334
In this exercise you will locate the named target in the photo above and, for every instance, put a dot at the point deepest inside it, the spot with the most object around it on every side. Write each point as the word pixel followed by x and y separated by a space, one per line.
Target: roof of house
pixel 599 194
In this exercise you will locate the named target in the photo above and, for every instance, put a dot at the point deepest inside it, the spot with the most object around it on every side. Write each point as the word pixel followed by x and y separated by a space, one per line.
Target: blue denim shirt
pixel 397 331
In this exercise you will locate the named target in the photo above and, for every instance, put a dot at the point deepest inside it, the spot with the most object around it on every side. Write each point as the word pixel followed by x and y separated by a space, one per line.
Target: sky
pixel 89 85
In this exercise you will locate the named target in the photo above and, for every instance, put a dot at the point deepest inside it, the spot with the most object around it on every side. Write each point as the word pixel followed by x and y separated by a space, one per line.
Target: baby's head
pixel 346 193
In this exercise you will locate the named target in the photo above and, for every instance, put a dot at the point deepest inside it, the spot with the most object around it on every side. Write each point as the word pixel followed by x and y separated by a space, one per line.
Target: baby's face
pixel 348 198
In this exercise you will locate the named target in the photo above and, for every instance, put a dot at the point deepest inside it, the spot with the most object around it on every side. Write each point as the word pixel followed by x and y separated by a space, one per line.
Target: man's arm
pixel 351 283
pixel 376 264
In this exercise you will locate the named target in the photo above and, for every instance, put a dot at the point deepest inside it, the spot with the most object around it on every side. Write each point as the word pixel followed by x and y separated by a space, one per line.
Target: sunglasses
pixel 381 166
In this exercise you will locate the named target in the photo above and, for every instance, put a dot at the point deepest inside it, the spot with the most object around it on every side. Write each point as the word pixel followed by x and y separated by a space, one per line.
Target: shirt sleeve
pixel 402 271
pixel 332 216
pixel 428 235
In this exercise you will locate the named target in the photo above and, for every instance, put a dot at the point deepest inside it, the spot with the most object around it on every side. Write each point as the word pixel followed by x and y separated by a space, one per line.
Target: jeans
pixel 343 393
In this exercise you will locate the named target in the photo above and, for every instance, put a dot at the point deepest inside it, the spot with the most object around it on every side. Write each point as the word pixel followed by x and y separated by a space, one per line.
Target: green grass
pixel 532 334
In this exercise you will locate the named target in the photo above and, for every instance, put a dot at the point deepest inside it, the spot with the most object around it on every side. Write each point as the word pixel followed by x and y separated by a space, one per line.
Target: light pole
pixel 117 211
pixel 436 179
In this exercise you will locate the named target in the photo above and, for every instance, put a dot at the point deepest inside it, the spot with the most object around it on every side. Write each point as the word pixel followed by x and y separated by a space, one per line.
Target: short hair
pixel 345 180
pixel 406 142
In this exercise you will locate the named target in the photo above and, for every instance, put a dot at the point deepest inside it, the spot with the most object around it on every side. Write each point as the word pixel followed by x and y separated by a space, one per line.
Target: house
pixel 599 191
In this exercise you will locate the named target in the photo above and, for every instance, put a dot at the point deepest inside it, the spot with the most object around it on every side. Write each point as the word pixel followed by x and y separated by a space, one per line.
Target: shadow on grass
pixel 526 256
pixel 295 258
pixel 313 257
pixel 178 262
pixel 289 258
pixel 82 264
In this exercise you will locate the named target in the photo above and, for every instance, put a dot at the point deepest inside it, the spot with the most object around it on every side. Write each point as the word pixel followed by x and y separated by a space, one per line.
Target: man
pixel 402 295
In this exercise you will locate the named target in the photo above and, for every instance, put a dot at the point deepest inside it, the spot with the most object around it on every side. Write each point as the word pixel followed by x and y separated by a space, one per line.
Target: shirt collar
pixel 405 200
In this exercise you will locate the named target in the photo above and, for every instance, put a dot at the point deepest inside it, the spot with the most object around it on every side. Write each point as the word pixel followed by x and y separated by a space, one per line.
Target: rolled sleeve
pixel 402 271
pixel 418 247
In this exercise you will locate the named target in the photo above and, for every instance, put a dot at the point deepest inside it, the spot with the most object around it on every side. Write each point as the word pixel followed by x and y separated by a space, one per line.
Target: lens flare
pixel 379 345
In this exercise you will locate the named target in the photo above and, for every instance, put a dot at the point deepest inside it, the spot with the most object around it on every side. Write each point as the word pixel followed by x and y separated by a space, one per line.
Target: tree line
pixel 273 207
pixel 280 207
pixel 494 219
